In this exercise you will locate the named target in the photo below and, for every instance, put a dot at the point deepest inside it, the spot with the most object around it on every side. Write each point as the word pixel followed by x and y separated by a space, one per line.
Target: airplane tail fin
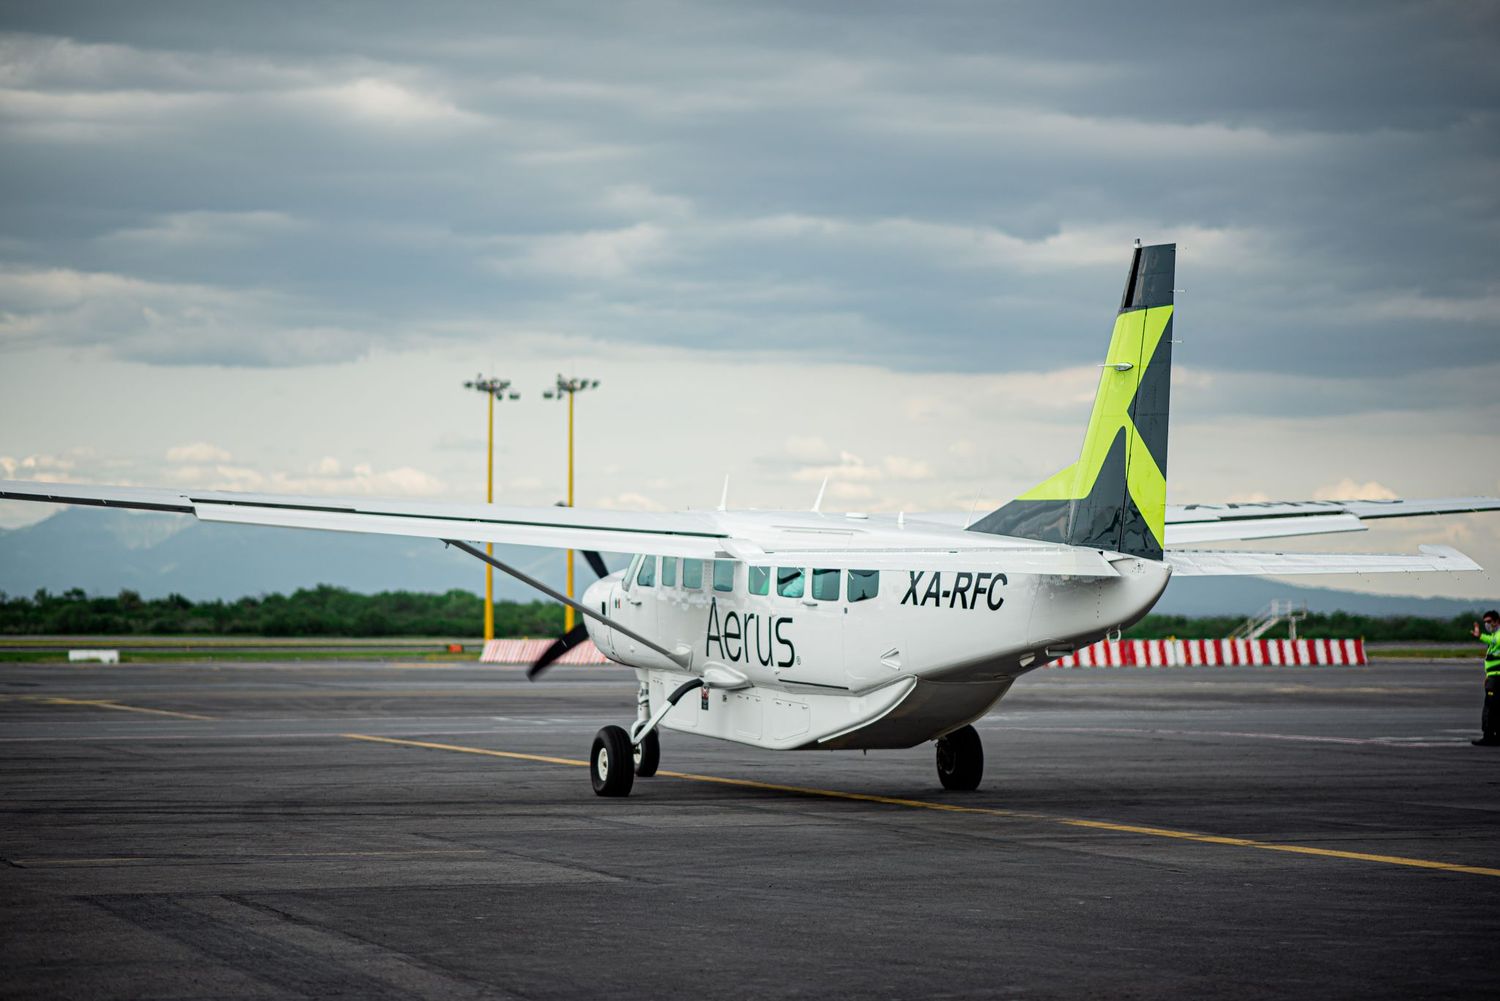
pixel 1114 497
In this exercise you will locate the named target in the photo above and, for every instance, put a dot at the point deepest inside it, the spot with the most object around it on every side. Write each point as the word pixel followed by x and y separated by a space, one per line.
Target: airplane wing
pixel 1197 523
pixel 704 535
pixel 687 534
pixel 1221 563
pixel 690 535
pixel 1060 561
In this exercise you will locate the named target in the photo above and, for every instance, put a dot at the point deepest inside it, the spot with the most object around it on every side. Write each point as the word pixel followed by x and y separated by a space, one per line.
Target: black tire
pixel 647 756
pixel 611 765
pixel 960 759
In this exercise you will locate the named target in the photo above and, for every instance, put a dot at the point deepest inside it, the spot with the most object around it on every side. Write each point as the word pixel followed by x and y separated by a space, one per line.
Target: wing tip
pixel 1462 562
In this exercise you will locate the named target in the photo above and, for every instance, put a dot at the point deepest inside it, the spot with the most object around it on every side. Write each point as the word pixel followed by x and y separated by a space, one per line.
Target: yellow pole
pixel 489 547
pixel 568 617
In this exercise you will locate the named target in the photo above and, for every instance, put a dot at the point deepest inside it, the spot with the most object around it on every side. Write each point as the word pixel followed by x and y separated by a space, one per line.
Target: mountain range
pixel 105 551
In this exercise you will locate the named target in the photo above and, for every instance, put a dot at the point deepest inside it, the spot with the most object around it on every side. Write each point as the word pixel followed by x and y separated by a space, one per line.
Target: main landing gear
pixel 618 757
pixel 960 759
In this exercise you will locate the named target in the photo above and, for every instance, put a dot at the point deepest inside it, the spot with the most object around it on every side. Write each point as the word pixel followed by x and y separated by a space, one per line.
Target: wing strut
pixel 479 554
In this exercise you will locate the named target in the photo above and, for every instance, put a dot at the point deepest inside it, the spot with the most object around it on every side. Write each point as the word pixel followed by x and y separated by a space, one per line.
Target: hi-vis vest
pixel 1491 643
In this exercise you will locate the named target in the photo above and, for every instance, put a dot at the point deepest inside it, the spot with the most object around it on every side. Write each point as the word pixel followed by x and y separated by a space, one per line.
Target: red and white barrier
pixel 1109 653
pixel 526 651
pixel 1215 653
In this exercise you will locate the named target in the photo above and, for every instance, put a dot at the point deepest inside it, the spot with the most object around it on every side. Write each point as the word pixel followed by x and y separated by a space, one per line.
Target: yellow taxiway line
pixel 115 860
pixel 920 804
pixel 515 755
pixel 107 704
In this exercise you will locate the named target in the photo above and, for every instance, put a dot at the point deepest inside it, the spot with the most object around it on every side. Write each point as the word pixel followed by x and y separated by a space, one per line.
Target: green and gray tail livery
pixel 1115 496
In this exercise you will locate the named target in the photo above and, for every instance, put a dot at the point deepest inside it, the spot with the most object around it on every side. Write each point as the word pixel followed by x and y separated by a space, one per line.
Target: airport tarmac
pixel 378 830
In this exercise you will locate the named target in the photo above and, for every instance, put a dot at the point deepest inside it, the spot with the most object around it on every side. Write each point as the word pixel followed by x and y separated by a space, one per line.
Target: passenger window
pixel 669 571
pixel 723 575
pixel 646 576
pixel 790 581
pixel 760 580
pixel 826 585
pixel 692 574
pixel 863 584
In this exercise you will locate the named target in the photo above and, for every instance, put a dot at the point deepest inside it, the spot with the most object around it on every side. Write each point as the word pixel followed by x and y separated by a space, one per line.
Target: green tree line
pixel 334 611
pixel 319 611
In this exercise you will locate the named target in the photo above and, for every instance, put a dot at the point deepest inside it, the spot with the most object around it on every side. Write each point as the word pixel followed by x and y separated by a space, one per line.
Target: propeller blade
pixel 595 560
pixel 559 646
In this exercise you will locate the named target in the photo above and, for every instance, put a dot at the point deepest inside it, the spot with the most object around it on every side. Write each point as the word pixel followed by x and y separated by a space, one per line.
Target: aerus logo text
pixel 740 634
pixel 966 591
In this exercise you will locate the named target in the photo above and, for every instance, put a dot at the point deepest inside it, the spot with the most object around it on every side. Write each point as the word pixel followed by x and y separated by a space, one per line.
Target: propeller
pixel 559 646
pixel 596 562
pixel 574 636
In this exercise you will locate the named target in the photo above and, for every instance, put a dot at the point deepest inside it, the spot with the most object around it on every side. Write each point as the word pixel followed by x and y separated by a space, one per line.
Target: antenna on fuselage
pixel 972 508
pixel 724 497
pixel 818 504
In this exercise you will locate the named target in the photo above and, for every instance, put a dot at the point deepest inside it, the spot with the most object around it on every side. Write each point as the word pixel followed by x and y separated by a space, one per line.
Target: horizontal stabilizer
pixel 1191 523
pixel 1267 528
pixel 1223 563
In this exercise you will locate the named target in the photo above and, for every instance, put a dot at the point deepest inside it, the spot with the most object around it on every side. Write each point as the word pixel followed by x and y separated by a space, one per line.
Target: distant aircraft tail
pixel 1115 496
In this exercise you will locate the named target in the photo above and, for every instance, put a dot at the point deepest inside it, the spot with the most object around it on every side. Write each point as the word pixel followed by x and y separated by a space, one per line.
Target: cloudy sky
pixel 260 246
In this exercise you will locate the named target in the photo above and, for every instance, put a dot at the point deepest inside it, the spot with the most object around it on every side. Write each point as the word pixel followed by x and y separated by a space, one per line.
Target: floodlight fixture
pixel 495 387
pixel 567 387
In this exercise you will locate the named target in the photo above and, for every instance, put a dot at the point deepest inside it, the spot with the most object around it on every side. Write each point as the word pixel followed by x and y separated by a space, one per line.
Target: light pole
pixel 569 388
pixel 494 389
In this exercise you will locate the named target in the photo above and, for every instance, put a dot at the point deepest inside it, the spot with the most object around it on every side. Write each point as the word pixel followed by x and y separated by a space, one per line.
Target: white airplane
pixel 809 630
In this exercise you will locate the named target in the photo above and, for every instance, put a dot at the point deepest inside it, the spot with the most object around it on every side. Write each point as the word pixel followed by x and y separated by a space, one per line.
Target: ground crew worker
pixel 1490 721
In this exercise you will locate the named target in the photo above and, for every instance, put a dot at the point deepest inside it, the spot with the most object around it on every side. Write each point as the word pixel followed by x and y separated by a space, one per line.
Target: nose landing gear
pixel 647 755
pixel 960 759
pixel 611 765
pixel 618 757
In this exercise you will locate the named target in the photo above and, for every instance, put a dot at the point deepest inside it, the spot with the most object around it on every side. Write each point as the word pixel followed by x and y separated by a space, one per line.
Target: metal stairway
pixel 1278 611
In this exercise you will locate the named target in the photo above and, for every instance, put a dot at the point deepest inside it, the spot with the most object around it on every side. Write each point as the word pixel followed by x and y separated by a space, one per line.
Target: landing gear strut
pixel 618 757
pixel 960 759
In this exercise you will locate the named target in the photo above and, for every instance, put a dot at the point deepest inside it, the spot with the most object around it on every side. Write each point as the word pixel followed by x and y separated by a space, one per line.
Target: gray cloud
pixel 945 187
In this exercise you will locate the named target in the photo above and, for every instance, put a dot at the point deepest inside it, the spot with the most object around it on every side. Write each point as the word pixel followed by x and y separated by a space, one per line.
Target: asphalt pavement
pixel 376 830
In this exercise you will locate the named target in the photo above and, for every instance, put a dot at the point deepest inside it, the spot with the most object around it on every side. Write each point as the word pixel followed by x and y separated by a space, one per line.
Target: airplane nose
pixel 595 596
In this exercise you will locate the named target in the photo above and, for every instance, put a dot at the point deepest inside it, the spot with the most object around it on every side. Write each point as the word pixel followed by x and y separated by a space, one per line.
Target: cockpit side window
pixel 646 575
pixel 635 563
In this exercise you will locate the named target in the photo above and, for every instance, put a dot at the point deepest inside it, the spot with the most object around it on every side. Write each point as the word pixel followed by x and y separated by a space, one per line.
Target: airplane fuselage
pixel 801 657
